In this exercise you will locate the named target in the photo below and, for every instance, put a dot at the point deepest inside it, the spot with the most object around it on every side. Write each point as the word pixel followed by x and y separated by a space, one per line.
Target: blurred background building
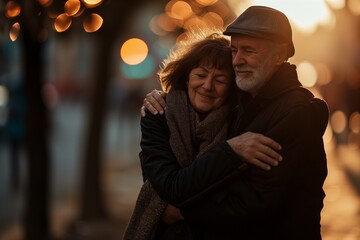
pixel 73 75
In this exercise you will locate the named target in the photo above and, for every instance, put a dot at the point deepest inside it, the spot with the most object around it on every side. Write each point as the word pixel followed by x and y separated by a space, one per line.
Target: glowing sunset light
pixel 307 74
pixel 336 4
pixel 134 51
pixel 305 15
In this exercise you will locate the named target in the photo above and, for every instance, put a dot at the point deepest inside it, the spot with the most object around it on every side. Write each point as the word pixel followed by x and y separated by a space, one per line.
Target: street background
pixel 73 75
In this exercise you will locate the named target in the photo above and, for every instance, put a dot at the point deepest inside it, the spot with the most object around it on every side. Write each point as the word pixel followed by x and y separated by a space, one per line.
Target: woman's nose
pixel 208 83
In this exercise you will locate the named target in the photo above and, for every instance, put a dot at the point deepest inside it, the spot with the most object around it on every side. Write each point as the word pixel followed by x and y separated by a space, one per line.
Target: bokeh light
pixel 179 10
pixel 134 51
pixel 213 19
pixel 166 23
pixel 324 74
pixel 206 2
pixel 338 121
pixel 45 3
pixel 72 7
pixel 14 31
pixel 155 26
pixel 92 22
pixel 194 23
pixel 92 3
pixel 354 7
pixel 12 9
pixel 223 10
pixel 317 13
pixel 354 122
pixel 307 74
pixel 62 22
pixel 336 4
pixel 139 71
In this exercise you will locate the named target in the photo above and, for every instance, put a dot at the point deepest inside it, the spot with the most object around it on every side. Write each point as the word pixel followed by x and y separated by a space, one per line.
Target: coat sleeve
pixel 262 193
pixel 175 184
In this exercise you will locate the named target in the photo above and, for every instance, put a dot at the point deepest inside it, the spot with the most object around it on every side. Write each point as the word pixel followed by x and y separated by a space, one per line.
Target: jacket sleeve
pixel 262 193
pixel 171 182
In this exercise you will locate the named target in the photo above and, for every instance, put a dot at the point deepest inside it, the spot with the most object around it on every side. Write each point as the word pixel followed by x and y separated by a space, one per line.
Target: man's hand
pixel 171 215
pixel 154 102
pixel 256 149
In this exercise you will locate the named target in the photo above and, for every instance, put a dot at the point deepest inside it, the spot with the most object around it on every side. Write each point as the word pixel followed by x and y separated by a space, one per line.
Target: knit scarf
pixel 189 137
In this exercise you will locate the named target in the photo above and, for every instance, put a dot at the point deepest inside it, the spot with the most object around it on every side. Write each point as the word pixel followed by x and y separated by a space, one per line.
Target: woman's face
pixel 208 88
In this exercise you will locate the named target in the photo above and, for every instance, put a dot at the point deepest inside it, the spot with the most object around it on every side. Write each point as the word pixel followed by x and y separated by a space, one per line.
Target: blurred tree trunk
pixel 117 15
pixel 36 219
pixel 92 203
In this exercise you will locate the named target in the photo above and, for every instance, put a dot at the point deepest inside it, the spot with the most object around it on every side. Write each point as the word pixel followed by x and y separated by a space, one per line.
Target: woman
pixel 198 83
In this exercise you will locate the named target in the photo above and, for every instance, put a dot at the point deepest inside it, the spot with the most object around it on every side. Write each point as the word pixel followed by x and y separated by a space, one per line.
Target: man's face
pixel 254 62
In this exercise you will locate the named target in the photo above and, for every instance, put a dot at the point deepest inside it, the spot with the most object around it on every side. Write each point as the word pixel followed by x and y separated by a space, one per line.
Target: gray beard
pixel 257 80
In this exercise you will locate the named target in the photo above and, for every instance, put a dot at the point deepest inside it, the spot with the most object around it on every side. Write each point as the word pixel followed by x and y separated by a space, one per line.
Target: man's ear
pixel 281 55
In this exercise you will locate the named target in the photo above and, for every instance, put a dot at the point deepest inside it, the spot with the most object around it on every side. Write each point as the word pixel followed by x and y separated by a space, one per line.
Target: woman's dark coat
pixel 283 203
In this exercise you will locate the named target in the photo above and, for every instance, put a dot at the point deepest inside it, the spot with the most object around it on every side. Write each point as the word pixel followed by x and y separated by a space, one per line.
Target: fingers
pixel 265 161
pixel 151 106
pixel 269 142
pixel 142 111
pixel 257 150
pixel 159 102
pixel 260 164
pixel 154 102
pixel 269 154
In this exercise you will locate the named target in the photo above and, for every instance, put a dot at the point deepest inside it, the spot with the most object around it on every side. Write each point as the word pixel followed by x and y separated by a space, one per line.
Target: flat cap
pixel 263 22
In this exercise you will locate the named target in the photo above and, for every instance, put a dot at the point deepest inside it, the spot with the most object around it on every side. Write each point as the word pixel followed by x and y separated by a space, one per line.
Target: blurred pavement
pixel 340 216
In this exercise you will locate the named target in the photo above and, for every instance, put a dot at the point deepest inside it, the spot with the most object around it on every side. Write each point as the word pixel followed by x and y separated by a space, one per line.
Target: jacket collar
pixel 284 78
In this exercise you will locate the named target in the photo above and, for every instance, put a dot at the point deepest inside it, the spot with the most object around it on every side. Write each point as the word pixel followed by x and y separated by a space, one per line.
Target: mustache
pixel 243 69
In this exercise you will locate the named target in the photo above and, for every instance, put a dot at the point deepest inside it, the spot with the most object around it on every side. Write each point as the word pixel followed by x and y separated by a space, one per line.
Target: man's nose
pixel 238 59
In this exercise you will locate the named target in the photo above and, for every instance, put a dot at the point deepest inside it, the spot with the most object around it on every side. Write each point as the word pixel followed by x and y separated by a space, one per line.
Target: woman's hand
pixel 256 149
pixel 154 102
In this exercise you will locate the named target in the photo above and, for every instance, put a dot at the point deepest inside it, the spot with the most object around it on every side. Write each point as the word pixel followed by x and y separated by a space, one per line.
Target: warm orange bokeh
pixel 134 51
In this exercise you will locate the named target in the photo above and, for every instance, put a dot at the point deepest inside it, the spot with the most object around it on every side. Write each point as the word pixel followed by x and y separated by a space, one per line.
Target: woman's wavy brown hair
pixel 198 49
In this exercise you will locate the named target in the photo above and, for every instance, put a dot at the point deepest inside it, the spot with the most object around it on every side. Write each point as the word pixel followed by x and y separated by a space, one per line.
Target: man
pixel 286 202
